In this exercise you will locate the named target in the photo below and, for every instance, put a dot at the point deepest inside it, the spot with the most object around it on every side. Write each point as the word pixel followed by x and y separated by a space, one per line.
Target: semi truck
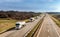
pixel 19 25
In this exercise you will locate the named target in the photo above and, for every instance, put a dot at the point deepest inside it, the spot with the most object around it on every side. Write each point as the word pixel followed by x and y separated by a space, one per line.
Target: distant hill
pixel 17 15
pixel 53 12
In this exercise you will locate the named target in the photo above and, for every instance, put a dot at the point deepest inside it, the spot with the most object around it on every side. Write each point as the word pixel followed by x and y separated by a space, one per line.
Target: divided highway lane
pixel 47 29
pixel 22 32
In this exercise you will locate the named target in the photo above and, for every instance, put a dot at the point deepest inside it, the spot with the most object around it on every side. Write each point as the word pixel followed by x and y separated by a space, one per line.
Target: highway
pixel 23 31
pixel 48 28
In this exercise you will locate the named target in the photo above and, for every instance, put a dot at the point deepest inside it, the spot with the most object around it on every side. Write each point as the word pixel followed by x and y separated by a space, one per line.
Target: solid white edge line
pixel 48 30
pixel 56 31
pixel 40 30
pixel 48 36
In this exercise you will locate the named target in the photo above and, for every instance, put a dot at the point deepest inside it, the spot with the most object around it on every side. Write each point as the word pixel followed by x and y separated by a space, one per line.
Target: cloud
pixel 47 0
pixel 1 1
pixel 13 0
pixel 30 5
pixel 55 7
pixel 50 0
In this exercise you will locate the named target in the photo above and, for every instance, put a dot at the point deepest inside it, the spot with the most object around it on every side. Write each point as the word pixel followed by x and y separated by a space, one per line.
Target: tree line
pixel 17 15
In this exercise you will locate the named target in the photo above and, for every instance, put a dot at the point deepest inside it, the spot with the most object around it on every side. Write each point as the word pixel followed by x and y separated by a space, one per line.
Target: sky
pixel 31 5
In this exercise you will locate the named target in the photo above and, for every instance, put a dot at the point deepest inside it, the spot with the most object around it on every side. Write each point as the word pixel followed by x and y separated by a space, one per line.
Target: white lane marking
pixel 48 30
pixel 56 31
pixel 40 30
pixel 48 36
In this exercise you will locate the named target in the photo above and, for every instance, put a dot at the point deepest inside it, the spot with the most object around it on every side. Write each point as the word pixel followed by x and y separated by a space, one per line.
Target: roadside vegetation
pixel 6 24
pixel 17 15
pixel 9 18
pixel 56 18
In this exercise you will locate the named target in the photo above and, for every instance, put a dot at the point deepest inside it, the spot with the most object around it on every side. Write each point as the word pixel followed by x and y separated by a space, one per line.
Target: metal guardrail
pixel 32 32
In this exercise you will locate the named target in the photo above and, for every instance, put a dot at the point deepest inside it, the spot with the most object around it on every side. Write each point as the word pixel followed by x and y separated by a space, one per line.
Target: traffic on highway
pixel 48 28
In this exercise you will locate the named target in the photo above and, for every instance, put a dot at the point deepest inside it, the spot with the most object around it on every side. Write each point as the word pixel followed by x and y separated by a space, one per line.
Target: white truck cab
pixel 19 25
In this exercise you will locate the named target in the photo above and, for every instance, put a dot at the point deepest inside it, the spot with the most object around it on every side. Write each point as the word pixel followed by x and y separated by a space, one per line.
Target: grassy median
pixel 31 33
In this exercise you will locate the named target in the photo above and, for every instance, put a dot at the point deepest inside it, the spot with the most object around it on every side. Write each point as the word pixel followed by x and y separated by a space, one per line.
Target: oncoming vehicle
pixel 19 25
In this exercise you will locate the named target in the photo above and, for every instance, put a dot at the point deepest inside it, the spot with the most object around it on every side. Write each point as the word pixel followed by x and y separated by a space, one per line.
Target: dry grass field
pixel 6 24
pixel 9 18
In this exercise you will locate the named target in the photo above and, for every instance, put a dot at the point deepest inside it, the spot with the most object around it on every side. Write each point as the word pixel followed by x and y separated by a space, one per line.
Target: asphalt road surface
pixel 48 28
pixel 23 31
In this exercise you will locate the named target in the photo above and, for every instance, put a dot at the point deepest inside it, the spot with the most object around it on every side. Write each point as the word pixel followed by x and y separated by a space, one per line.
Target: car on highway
pixel 19 25
pixel 36 17
pixel 32 19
